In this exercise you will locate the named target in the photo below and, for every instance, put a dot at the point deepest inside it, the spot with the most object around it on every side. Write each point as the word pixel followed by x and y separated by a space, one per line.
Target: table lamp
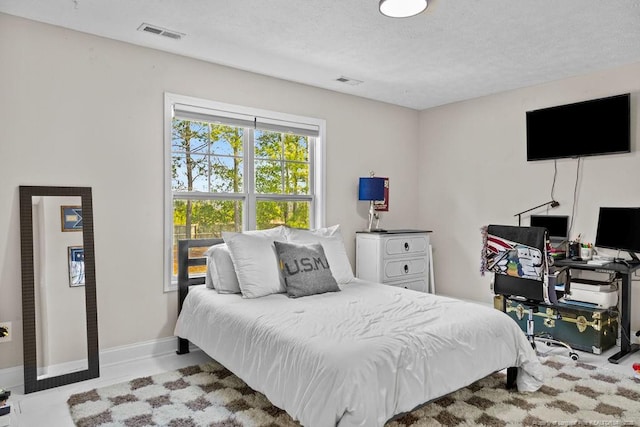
pixel 371 189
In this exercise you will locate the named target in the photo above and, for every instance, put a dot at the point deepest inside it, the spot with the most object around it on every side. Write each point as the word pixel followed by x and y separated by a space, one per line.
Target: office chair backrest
pixel 518 257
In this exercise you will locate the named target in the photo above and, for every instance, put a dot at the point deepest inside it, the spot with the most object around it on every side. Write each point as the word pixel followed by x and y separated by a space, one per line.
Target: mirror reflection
pixel 58 263
pixel 59 310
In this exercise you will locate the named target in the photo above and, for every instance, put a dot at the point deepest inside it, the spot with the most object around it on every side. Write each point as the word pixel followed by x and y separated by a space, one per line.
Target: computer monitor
pixel 557 225
pixel 619 228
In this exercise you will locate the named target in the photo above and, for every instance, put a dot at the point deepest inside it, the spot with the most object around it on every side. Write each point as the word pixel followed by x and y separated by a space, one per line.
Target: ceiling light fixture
pixel 402 8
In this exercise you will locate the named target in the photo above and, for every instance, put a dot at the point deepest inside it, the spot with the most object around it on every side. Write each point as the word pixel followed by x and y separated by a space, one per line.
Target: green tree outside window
pixel 209 186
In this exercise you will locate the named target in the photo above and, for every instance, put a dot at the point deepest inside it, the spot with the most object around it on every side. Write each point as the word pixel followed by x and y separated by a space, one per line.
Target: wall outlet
pixel 5 327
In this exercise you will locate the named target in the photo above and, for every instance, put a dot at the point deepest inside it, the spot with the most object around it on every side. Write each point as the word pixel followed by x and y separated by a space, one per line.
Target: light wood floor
pixel 49 408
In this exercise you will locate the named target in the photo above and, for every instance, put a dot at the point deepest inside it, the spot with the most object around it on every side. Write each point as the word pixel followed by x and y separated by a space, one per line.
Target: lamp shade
pixel 371 188
pixel 402 8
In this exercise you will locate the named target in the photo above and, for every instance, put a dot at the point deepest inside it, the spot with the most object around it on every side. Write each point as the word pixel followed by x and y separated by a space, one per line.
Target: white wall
pixel 473 172
pixel 81 110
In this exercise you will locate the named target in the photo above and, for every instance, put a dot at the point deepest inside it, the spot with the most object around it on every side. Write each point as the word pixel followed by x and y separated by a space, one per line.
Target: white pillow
pixel 221 275
pixel 331 240
pixel 255 262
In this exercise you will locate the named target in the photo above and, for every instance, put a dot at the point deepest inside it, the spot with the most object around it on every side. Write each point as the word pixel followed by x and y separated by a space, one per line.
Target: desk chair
pixel 519 260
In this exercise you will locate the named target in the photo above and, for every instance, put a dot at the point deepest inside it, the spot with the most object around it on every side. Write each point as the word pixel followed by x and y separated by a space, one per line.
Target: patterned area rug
pixel 209 395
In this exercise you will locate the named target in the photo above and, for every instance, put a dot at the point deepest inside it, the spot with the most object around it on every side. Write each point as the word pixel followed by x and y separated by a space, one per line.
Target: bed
pixel 358 357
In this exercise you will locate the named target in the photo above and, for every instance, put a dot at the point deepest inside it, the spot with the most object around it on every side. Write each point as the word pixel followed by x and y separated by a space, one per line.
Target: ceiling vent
pixel 147 28
pixel 349 81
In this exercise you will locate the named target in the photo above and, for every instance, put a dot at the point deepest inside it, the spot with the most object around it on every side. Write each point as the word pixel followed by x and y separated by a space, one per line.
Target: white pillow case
pixel 331 240
pixel 221 275
pixel 255 262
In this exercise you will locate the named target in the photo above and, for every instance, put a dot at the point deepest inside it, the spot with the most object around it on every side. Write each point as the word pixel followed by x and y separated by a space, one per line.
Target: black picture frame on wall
pixel 71 218
pixel 76 265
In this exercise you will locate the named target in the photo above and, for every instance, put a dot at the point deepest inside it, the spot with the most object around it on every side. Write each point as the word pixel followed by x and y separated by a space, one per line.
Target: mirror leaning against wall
pixel 60 322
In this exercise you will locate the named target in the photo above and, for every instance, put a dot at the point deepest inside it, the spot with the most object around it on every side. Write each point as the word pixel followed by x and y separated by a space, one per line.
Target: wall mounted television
pixel 587 128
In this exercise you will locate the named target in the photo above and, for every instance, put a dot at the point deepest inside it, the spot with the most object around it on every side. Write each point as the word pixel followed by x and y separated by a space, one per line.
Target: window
pixel 232 168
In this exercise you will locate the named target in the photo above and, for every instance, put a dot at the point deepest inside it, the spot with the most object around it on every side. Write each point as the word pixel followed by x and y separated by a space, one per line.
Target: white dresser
pixel 396 257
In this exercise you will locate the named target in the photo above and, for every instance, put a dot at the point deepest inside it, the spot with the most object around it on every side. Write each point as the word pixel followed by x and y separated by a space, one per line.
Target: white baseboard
pixel 14 377
pixel 128 353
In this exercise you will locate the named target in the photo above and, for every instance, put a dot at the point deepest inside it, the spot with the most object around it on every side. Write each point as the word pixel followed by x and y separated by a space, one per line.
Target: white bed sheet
pixel 356 357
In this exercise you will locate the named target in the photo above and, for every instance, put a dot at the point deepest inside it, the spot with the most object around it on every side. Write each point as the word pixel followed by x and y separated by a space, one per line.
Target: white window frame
pixel 317 176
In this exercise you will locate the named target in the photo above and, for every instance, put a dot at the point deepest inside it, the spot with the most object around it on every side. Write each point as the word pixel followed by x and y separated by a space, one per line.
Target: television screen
pixel 557 225
pixel 619 228
pixel 588 128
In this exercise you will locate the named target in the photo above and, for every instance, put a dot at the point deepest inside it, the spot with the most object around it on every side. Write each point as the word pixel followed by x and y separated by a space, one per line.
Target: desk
pixel 624 272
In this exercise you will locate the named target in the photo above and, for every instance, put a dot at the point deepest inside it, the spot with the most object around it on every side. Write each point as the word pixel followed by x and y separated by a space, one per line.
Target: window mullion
pixel 209 156
pixel 201 195
pixel 250 180
pixel 283 181
pixel 284 197
pixel 311 144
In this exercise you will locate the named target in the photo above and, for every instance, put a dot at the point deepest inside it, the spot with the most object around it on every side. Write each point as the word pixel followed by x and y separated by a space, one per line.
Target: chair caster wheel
pixel 574 356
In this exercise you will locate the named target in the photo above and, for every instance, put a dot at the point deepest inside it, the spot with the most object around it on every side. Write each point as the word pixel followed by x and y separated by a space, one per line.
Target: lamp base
pixel 374 215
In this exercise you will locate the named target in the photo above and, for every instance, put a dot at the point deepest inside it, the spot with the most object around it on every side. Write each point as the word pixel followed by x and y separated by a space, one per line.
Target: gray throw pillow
pixel 305 269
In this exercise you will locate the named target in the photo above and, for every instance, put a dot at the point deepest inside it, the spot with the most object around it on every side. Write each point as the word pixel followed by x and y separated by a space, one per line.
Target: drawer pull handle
pixel 406 246
pixel 406 268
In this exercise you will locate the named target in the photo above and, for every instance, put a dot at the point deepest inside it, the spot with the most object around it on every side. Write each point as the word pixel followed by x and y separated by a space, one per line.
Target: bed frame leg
pixel 183 346
pixel 512 374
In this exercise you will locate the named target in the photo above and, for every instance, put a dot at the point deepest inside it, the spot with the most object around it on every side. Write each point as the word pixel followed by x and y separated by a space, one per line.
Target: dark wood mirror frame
pixel 31 381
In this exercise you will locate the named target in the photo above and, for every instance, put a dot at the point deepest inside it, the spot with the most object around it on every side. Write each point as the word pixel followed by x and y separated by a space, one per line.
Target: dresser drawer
pixel 415 285
pixel 406 267
pixel 406 245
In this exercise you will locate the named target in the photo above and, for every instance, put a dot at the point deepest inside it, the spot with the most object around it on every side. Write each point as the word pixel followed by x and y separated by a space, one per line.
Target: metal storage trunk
pixel 588 329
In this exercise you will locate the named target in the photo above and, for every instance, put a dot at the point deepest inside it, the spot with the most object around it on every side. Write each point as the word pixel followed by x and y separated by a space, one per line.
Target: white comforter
pixel 356 357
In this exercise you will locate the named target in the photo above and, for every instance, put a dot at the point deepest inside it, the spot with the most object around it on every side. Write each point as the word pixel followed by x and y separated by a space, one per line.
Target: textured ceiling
pixel 456 50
